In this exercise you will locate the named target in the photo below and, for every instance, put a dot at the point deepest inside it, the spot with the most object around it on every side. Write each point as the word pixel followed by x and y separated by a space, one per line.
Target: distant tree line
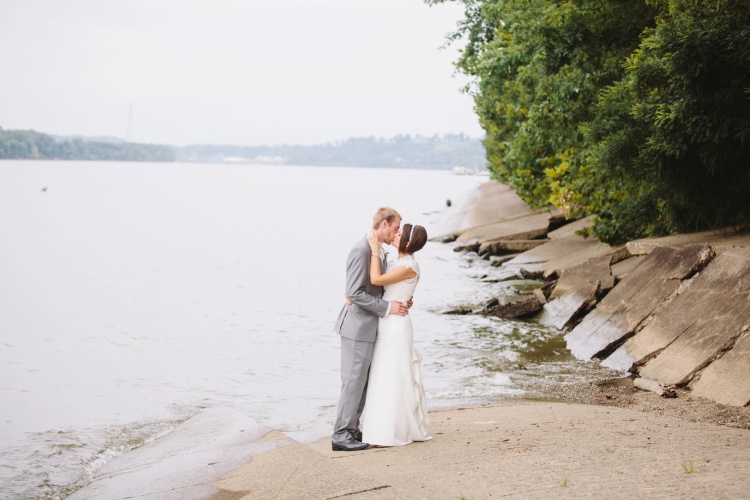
pixel 445 151
pixel 440 151
pixel 637 111
pixel 31 145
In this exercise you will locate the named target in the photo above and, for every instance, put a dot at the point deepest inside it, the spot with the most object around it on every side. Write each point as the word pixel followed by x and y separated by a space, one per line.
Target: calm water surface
pixel 133 295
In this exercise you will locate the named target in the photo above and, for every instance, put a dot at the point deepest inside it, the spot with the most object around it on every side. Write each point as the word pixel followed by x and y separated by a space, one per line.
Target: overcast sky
pixel 231 71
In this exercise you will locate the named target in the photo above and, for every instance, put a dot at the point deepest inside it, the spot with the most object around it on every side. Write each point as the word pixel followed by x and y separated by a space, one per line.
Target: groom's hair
pixel 384 214
pixel 418 239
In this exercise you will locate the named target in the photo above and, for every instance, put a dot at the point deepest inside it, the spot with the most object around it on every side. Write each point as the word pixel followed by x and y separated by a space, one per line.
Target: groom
pixel 357 325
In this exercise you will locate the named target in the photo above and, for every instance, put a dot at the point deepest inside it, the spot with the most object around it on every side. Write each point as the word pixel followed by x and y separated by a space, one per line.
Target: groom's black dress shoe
pixel 349 445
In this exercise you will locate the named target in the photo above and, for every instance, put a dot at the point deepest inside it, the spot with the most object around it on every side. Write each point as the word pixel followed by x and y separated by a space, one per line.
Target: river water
pixel 132 295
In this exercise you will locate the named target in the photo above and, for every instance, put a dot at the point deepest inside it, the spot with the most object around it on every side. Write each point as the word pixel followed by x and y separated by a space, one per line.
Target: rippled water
pixel 133 295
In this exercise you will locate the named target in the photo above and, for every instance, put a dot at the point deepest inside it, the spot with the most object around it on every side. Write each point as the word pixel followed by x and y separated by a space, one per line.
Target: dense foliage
pixel 31 145
pixel 635 110
pixel 446 151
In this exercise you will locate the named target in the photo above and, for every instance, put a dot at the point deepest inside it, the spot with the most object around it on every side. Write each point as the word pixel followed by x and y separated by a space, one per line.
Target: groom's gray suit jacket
pixel 359 321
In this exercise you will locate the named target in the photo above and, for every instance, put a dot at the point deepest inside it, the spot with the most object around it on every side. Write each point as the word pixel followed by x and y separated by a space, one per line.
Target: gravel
pixel 621 393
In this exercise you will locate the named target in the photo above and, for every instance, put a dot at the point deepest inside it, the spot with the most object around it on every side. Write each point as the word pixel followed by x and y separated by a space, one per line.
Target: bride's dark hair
pixel 418 239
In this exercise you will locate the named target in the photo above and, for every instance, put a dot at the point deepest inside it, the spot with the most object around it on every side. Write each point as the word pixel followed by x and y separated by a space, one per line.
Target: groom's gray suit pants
pixel 356 357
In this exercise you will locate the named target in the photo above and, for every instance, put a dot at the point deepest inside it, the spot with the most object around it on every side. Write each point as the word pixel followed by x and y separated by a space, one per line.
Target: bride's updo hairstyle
pixel 413 238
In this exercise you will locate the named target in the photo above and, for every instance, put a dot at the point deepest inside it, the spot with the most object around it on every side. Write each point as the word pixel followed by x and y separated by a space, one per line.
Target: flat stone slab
pixel 622 268
pixel 635 298
pixel 503 247
pixel 702 321
pixel 495 201
pixel 700 307
pixel 576 291
pixel 718 240
pixel 560 254
pixel 726 379
pixel 571 228
pixel 525 227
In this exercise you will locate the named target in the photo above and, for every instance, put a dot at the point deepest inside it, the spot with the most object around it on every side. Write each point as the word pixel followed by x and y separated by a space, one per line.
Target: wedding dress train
pixel 395 412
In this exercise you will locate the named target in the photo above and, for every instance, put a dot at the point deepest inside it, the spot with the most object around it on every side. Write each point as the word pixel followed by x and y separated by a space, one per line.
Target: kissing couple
pixel 381 374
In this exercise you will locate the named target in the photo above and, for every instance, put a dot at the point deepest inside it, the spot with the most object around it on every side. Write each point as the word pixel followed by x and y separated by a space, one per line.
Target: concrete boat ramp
pixel 526 450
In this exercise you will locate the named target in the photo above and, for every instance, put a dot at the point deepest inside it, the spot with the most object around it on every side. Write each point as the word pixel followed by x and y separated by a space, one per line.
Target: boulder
pixel 513 306
pixel 634 299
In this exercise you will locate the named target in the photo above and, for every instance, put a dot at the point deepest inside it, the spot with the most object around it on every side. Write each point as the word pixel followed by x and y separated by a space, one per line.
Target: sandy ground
pixel 526 450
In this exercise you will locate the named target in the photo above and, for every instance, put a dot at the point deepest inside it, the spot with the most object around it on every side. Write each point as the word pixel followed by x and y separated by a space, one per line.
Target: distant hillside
pixel 31 145
pixel 437 152
pixel 445 151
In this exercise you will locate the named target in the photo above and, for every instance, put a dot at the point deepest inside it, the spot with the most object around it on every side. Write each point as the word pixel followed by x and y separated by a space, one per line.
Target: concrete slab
pixel 702 321
pixel 526 450
pixel 554 450
pixel 495 202
pixel 184 463
pixel 571 228
pixel 727 380
pixel 718 240
pixel 503 247
pixel 635 298
pixel 298 471
pixel 560 254
pixel 708 305
pixel 526 227
pixel 622 268
pixel 576 291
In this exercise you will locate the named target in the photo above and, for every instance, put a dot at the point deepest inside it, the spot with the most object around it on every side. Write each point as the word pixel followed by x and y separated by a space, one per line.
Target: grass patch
pixel 565 483
pixel 689 467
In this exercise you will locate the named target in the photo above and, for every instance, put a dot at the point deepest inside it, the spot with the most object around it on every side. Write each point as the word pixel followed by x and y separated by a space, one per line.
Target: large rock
pixel 700 323
pixel 513 306
pixel 727 380
pixel 577 291
pixel 635 298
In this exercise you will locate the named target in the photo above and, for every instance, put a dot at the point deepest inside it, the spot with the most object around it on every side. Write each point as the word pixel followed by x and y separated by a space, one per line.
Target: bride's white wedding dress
pixel 395 412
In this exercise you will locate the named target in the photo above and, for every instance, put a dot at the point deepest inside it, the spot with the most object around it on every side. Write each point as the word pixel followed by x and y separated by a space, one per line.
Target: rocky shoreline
pixel 672 312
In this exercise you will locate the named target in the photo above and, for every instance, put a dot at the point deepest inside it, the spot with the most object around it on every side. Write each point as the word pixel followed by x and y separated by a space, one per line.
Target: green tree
pixel 675 130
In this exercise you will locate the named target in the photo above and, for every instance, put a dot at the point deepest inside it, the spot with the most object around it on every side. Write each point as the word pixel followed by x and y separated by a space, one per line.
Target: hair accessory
pixel 410 235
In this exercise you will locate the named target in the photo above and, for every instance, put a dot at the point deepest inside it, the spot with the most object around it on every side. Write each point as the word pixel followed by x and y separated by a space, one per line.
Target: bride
pixel 395 413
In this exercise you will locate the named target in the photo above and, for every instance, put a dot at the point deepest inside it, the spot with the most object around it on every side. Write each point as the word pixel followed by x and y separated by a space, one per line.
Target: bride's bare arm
pixel 376 278
pixel 398 274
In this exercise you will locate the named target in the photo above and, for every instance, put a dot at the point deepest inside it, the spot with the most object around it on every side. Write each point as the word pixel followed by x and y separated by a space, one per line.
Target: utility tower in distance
pixel 130 133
